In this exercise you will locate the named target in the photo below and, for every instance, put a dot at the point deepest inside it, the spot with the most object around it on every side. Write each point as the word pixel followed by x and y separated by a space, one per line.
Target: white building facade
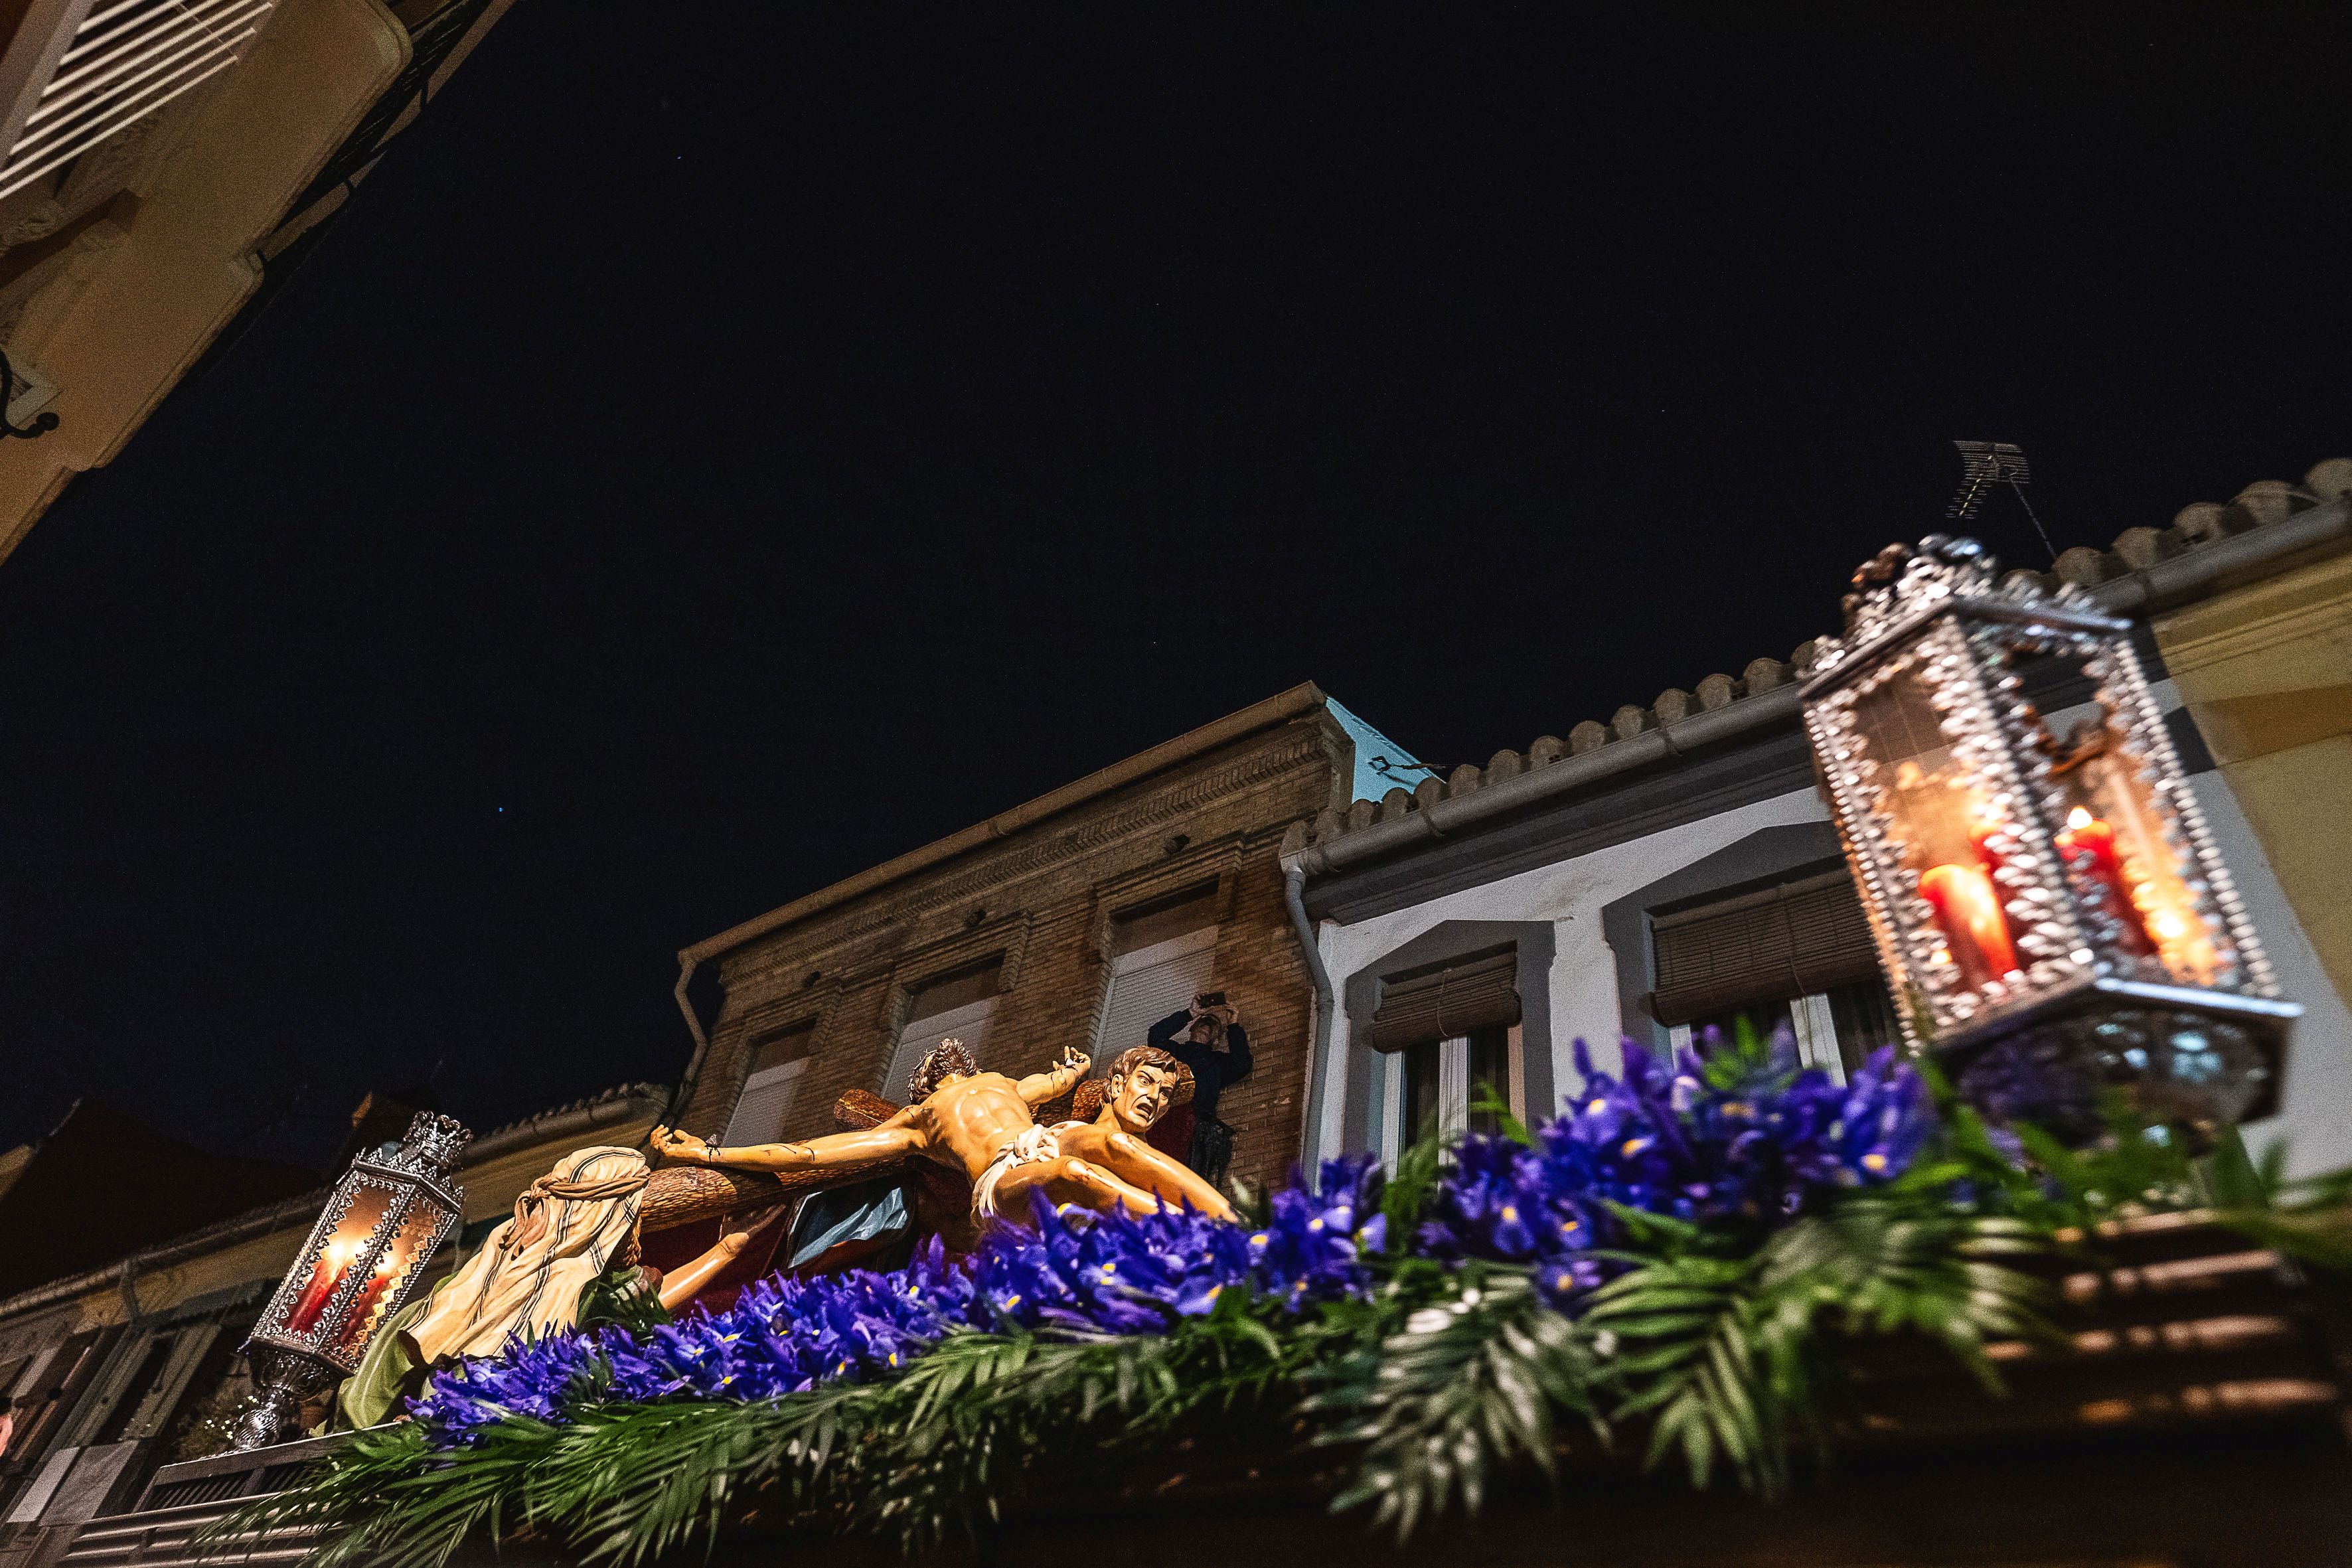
pixel 1673 869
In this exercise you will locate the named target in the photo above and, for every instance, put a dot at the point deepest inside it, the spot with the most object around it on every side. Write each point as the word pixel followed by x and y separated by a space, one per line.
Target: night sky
pixel 724 446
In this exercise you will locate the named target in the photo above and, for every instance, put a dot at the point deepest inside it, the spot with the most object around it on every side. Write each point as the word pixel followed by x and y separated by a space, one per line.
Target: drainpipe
pixel 686 967
pixel 1319 1060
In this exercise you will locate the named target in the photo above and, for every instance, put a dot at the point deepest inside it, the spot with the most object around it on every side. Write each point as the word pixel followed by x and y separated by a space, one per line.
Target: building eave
pixel 1300 700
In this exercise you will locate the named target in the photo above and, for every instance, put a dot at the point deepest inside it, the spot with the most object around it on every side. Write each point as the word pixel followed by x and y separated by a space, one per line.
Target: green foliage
pixel 2141 1166
pixel 1746 1060
pixel 1460 1391
pixel 621 1299
pixel 1404 1200
pixel 921 1457
pixel 1721 1352
pixel 1728 1358
pixel 1486 1101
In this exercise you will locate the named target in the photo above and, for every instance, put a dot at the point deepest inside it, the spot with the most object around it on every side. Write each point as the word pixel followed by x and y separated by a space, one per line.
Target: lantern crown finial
pixel 433 1147
pixel 1898 583
pixel 1900 574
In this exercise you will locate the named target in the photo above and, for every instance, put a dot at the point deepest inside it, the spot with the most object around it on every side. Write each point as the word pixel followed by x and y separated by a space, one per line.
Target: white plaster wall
pixel 1570 894
pixel 2317 1119
pixel 2316 1109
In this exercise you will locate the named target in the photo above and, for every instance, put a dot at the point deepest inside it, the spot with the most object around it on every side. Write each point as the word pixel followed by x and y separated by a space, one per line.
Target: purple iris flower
pixel 1741 1146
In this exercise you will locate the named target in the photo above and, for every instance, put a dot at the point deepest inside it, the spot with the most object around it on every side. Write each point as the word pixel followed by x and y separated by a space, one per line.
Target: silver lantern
pixel 2046 894
pixel 382 1226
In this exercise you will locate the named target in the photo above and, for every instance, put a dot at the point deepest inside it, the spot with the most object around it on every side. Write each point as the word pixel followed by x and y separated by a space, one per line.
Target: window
pixel 46 1390
pixel 1162 955
pixel 778 1059
pixel 1799 954
pixel 121 63
pixel 1440 1035
pixel 1443 1078
pixel 957 1006
pixel 153 1393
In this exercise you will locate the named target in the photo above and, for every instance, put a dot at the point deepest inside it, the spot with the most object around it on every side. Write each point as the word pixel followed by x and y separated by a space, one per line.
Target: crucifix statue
pixel 985 1124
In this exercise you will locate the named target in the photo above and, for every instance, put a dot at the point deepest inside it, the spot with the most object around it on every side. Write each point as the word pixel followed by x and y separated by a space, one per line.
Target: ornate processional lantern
pixel 382 1224
pixel 2043 890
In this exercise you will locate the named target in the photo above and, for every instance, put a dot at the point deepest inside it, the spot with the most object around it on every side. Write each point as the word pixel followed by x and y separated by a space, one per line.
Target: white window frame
pixel 1813 1024
pixel 1453 1089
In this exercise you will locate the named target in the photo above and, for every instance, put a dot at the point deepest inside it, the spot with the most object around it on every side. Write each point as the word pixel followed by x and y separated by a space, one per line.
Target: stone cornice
pixel 1037 851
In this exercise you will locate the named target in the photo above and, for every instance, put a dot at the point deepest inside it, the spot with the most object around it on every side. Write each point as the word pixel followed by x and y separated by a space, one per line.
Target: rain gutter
pixel 2152 588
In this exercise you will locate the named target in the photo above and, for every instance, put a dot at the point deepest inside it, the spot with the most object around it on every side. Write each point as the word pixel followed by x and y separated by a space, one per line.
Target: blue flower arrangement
pixel 1743 1140
pixel 1740 1220
pixel 1070 1270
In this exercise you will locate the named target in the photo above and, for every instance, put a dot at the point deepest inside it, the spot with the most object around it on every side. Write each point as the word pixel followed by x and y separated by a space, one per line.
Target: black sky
pixel 726 445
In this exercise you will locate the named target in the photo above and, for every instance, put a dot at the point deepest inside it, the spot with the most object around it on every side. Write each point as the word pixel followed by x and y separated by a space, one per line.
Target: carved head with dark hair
pixel 943 1061
pixel 1144 1085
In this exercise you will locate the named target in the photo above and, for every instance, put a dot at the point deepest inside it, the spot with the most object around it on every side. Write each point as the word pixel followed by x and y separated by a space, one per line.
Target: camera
pixel 1208 999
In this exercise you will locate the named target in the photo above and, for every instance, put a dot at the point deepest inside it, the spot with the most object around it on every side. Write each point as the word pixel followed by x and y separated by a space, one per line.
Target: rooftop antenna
pixel 1396 770
pixel 1984 464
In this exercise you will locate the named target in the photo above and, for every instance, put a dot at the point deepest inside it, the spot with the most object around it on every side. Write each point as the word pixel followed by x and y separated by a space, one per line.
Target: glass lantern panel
pixel 344 1247
pixel 1940 820
pixel 384 1287
pixel 2133 873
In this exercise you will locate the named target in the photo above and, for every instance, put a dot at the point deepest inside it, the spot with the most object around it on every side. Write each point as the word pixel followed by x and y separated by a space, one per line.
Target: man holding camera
pixel 1208 1038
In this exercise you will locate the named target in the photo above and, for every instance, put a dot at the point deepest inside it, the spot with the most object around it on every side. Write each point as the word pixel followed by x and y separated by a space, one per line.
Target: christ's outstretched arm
pixel 894 1139
pixel 1039 1087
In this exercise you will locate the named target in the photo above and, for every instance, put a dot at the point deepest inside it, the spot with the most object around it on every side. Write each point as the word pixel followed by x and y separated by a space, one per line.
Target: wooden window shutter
pixel 1440 1004
pixel 1795 939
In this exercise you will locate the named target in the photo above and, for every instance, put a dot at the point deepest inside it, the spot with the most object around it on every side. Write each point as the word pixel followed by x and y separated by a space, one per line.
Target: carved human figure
pixel 985 1124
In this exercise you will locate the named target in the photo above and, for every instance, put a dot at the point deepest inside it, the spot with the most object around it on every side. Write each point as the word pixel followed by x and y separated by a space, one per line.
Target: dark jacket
pixel 1213 1071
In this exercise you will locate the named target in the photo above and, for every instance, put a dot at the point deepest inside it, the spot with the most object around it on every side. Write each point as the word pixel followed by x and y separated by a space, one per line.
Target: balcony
pixel 77 71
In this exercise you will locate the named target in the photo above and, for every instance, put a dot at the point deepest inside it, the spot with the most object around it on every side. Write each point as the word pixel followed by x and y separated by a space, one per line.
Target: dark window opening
pixel 1424 1100
pixel 134 1393
pixel 1490 1068
pixel 1865 1016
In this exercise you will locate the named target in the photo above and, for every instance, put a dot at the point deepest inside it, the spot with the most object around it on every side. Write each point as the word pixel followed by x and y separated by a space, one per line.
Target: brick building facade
pixel 1017 931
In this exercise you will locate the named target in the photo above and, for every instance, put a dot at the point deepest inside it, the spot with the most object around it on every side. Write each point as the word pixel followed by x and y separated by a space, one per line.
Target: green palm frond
pixel 1412 1181
pixel 1462 1391
pixel 1727 1357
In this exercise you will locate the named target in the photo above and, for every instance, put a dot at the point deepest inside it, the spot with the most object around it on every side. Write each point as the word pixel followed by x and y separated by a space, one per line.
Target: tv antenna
pixel 1984 464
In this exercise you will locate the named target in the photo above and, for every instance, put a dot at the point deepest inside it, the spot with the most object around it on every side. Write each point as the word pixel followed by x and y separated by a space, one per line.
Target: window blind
pixel 1441 1003
pixel 761 1109
pixel 967 1023
pixel 1798 939
pixel 1148 984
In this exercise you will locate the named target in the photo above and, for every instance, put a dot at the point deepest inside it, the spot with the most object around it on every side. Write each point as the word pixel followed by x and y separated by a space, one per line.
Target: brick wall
pixel 1043 898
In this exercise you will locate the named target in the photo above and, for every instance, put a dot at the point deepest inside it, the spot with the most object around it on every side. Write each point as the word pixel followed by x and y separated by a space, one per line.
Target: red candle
pixel 2089 843
pixel 1968 909
pixel 325 1275
pixel 363 1303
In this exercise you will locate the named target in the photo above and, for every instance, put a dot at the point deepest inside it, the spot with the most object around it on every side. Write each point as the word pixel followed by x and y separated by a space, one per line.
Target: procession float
pixel 2018 1275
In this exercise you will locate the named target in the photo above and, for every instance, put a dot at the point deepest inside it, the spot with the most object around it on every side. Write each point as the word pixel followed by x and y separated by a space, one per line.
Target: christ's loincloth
pixel 1034 1146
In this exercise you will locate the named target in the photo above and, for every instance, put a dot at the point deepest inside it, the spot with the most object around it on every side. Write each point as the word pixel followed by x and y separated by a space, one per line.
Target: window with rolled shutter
pixel 1802 938
pixel 1443 1029
pixel 1447 1001
pixel 778 1059
pixel 1148 984
pixel 956 1006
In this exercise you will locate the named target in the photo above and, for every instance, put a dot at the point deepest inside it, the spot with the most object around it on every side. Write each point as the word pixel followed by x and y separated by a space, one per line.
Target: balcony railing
pixel 77 71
